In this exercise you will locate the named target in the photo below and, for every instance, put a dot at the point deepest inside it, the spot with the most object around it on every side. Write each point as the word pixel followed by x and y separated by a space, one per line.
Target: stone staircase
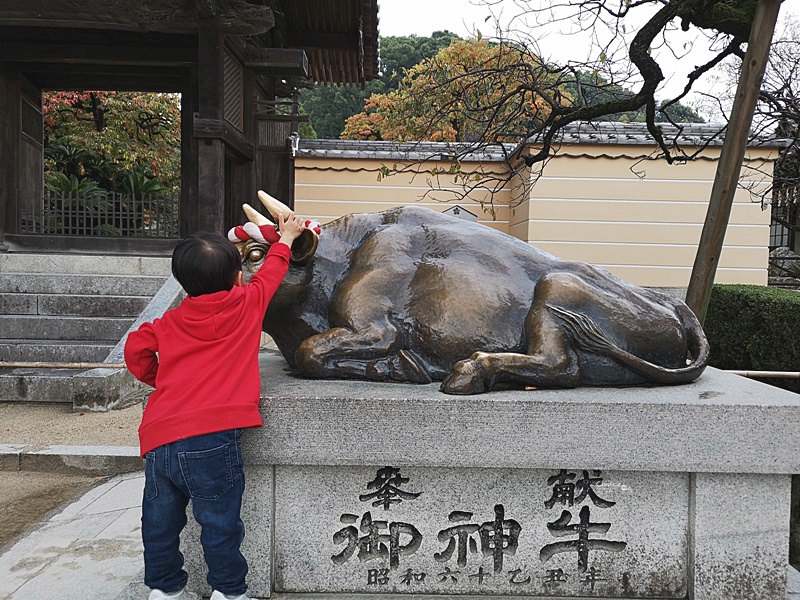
pixel 72 309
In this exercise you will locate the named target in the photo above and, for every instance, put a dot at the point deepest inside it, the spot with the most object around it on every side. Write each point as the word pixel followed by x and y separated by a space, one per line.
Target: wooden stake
pixel 730 160
pixel 770 374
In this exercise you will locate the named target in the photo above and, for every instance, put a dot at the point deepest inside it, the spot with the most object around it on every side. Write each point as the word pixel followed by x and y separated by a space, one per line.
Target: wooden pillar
pixel 210 151
pixel 9 154
pixel 243 173
pixel 30 160
pixel 189 160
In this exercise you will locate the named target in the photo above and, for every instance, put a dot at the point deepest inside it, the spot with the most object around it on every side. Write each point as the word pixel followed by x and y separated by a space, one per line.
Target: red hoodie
pixel 206 371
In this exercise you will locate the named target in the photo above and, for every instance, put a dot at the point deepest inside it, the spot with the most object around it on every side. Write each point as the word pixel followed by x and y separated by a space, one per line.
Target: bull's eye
pixel 255 255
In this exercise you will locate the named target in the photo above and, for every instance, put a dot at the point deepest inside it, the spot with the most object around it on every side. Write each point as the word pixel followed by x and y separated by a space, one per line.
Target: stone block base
pixel 389 491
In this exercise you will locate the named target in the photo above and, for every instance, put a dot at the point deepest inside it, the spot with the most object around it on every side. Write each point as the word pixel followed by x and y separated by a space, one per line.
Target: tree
pixel 98 142
pixel 778 108
pixel 596 90
pixel 449 97
pixel 621 62
pixel 132 131
pixel 330 106
pixel 401 53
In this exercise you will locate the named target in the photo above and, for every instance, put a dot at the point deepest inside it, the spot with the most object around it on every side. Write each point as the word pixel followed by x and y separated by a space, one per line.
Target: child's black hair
pixel 205 262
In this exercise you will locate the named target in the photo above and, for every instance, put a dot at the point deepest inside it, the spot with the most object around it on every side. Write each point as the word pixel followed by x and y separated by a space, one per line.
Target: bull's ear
pixel 304 246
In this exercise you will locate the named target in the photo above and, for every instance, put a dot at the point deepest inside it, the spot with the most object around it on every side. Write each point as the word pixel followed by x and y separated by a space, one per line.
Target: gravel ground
pixel 44 424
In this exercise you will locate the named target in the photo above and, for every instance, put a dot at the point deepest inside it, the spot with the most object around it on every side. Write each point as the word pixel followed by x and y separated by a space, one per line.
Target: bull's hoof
pixel 467 377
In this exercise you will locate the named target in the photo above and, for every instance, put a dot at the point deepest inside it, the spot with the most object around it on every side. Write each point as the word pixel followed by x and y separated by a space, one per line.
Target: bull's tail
pixel 590 338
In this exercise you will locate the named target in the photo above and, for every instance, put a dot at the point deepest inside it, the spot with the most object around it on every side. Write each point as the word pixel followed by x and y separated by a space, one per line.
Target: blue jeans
pixel 208 470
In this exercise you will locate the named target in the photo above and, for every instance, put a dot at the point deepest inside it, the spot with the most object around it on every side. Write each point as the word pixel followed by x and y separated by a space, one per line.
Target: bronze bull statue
pixel 412 295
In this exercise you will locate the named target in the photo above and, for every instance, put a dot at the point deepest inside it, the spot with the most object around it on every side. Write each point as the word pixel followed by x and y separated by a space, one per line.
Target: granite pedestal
pixel 396 490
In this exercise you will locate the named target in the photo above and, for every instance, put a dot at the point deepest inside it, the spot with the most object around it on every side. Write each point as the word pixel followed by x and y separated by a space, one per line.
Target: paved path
pixel 91 550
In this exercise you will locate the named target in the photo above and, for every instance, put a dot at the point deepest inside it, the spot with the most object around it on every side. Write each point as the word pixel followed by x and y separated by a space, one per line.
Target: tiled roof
pixel 689 134
pixel 693 134
pixel 340 38
pixel 395 150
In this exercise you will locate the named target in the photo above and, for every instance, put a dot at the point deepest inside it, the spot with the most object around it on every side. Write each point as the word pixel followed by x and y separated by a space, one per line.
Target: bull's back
pixel 454 286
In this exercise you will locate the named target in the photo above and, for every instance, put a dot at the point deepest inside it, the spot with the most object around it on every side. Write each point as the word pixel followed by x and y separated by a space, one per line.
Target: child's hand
pixel 291 227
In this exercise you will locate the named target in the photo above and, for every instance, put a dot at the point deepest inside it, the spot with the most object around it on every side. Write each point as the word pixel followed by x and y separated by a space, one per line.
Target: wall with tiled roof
pixel 602 199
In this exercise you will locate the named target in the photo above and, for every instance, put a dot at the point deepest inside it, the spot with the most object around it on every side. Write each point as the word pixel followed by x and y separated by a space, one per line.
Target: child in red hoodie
pixel 202 360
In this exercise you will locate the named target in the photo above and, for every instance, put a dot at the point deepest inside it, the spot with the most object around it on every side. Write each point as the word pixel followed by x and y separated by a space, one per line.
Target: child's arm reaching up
pixel 270 275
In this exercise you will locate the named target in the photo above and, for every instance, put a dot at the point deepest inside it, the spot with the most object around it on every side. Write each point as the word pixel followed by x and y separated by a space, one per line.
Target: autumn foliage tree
pixel 117 133
pixel 330 106
pixel 471 90
pixel 97 142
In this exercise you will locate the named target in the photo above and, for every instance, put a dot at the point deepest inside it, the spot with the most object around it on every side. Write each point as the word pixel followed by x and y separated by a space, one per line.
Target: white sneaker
pixel 220 596
pixel 181 595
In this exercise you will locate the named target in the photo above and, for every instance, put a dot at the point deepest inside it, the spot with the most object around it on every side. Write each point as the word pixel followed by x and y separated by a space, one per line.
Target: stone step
pixel 37 327
pixel 37 385
pixel 72 305
pixel 54 350
pixel 98 264
pixel 103 285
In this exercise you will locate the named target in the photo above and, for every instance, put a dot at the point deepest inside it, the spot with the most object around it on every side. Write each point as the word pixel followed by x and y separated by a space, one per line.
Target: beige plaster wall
pixel 642 219
pixel 326 189
pixel 602 204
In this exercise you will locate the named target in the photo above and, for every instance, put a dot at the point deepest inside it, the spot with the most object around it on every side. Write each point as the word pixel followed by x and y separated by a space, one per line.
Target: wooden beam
pixel 208 9
pixel 103 77
pixel 9 150
pixel 66 244
pixel 221 130
pixel 211 185
pixel 100 55
pixel 189 155
pixel 109 38
pixel 170 16
pixel 211 43
pixel 276 61
pixel 730 160
pixel 263 116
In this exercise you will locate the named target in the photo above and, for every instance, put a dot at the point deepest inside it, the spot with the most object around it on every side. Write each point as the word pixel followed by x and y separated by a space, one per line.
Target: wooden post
pixel 243 172
pixel 9 151
pixel 210 152
pixel 730 161
pixel 190 173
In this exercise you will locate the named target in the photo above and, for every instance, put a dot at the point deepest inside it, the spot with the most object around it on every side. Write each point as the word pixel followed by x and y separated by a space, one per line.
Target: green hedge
pixel 755 328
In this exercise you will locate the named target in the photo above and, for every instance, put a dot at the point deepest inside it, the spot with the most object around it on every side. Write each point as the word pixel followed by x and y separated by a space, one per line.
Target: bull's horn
pixel 256 217
pixel 273 205
pixel 306 244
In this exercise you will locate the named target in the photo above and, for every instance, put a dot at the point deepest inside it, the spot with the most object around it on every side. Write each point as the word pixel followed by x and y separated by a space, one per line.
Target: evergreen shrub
pixel 755 328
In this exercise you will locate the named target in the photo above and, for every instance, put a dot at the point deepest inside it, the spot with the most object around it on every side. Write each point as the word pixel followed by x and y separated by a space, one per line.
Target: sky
pixel 463 17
